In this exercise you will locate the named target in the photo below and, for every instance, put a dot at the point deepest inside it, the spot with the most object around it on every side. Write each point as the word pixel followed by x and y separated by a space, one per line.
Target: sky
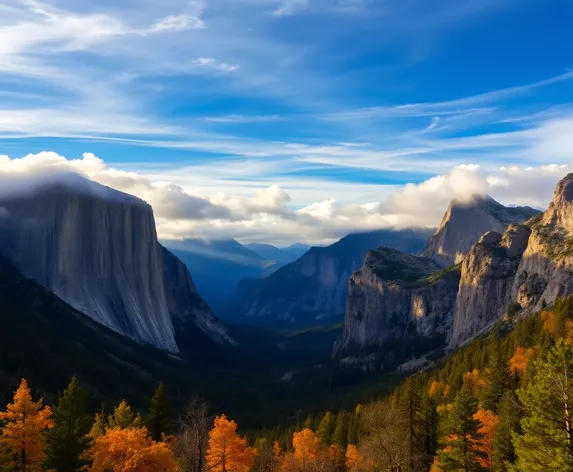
pixel 290 121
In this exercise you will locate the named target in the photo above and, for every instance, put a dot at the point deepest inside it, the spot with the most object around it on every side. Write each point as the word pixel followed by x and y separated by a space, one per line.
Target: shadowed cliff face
pixel 100 255
pixel 465 222
pixel 395 295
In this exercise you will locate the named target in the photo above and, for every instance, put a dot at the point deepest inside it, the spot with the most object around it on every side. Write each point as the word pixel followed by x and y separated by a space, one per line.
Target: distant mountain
pixel 315 286
pixel 281 256
pixel 218 266
pixel 465 221
pixel 96 249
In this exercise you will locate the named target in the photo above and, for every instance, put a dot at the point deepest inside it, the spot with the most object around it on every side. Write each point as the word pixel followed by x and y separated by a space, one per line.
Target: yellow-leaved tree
pixel 131 450
pixel 306 448
pixel 23 426
pixel 227 451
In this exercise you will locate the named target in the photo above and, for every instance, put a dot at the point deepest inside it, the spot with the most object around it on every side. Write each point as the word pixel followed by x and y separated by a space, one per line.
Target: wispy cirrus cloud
pixel 211 63
pixel 248 99
pixel 291 7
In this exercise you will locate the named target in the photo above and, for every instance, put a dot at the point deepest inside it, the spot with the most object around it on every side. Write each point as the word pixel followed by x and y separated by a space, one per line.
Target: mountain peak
pixel 560 211
pixel 465 221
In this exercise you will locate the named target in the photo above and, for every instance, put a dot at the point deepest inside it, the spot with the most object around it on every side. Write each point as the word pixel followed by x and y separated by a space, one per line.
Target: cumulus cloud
pixel 267 213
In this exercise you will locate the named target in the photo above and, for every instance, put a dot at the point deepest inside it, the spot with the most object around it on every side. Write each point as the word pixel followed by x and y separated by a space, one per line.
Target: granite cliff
pixel 96 249
pixel 465 289
pixel 487 275
pixel 395 295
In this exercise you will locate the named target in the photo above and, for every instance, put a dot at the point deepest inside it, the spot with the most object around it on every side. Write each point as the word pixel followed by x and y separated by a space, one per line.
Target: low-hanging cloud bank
pixel 267 213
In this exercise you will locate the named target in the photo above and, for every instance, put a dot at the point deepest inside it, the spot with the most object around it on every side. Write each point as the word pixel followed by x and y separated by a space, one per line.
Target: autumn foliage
pixel 24 423
pixel 488 421
pixel 520 359
pixel 227 451
pixel 131 450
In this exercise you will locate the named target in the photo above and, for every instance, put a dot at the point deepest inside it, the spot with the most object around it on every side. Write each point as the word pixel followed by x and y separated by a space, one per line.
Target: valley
pixel 285 362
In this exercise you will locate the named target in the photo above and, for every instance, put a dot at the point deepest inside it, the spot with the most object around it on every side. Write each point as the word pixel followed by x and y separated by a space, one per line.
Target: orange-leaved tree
pixel 131 450
pixel 354 460
pixel 488 421
pixel 520 359
pixel 227 451
pixel 306 448
pixel 24 423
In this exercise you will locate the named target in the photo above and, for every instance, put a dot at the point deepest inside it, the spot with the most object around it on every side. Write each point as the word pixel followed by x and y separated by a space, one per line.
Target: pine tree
pixel 497 381
pixel 68 440
pixel 461 450
pixel 123 417
pixel 503 449
pixel 158 419
pixel 325 428
pixel 428 435
pixel 547 439
pixel 340 435
pixel 354 426
pixel 411 407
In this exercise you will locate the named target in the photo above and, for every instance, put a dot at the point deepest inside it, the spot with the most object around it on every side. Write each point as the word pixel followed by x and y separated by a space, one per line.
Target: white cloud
pixel 212 63
pixel 177 23
pixel 291 7
pixel 267 213
pixel 243 118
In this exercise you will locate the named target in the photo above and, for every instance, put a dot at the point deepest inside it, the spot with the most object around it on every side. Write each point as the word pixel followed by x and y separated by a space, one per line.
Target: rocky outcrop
pixel 487 275
pixel 396 294
pixel 465 222
pixel 546 271
pixel 97 250
pixel 316 285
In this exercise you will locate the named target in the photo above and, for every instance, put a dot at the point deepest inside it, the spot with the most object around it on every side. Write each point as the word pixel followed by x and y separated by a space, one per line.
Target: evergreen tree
pixel 123 417
pixel 497 380
pixel 461 450
pixel 547 439
pixel 340 435
pixel 308 423
pixel 325 428
pixel 428 435
pixel 410 405
pixel 68 439
pixel 354 426
pixel 503 449
pixel 158 419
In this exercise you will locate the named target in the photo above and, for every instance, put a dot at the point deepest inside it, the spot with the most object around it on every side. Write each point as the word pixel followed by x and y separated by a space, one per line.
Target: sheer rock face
pixel 465 222
pixel 184 302
pixel 96 251
pixel 396 293
pixel 486 282
pixel 316 285
pixel 545 272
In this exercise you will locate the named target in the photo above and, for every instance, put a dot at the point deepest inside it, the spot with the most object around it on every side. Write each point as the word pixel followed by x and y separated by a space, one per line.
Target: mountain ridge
pixel 315 286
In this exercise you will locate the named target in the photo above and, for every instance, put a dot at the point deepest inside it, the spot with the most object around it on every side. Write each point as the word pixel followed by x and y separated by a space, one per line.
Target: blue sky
pixel 340 101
